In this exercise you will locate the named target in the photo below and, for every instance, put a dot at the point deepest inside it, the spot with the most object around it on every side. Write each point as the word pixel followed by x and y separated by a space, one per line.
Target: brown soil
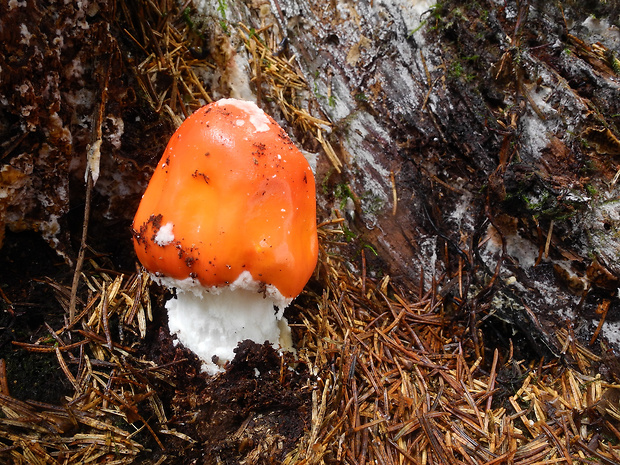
pixel 258 408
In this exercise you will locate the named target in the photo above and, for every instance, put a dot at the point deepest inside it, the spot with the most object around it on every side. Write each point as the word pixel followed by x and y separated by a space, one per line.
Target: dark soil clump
pixel 256 411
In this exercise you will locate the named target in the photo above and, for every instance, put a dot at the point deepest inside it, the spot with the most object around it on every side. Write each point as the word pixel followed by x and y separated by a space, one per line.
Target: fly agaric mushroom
pixel 229 220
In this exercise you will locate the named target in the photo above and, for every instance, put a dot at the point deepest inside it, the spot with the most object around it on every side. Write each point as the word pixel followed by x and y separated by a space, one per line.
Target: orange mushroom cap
pixel 230 194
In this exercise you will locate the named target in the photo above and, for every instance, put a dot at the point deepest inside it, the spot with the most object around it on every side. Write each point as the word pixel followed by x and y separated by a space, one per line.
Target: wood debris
pixel 102 419
pixel 277 75
pixel 174 55
pixel 397 383
pixel 396 380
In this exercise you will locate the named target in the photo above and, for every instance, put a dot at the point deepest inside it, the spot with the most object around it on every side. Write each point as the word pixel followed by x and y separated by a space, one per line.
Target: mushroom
pixel 229 221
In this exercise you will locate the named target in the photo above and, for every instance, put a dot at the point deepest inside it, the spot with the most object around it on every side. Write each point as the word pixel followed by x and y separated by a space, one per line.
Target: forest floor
pixel 387 370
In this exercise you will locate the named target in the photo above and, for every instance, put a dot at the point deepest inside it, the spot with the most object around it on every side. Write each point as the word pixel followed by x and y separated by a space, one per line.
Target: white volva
pixel 211 322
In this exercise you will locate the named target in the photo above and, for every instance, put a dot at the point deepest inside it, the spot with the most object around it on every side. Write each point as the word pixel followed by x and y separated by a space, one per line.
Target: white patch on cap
pixel 258 118
pixel 165 235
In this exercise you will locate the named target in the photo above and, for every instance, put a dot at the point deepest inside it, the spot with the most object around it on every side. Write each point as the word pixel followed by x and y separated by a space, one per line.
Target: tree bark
pixel 478 140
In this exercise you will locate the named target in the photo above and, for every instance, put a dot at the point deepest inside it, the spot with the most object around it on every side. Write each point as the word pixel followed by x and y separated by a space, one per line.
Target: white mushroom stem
pixel 211 322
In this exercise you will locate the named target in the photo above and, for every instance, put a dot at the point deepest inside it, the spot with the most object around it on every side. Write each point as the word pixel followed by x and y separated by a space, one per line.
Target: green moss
pixel 349 235
pixel 434 18
pixel 343 193
pixel 371 248
pixel 372 203
pixel 222 7
pixel 531 196
pixel 325 186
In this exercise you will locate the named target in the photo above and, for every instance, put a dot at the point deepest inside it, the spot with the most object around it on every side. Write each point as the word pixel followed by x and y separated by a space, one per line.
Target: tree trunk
pixel 478 142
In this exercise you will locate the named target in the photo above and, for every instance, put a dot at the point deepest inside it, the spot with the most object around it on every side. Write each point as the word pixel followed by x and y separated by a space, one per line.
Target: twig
pixel 549 236
pixel 80 259
pixel 92 173
pixel 601 310
pixel 4 384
